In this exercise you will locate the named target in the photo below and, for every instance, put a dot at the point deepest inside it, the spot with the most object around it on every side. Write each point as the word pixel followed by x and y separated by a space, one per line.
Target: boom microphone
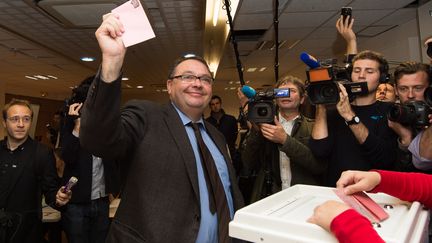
pixel 309 60
pixel 248 91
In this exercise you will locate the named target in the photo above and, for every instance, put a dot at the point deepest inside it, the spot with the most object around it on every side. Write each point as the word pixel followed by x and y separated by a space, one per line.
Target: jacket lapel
pixel 178 132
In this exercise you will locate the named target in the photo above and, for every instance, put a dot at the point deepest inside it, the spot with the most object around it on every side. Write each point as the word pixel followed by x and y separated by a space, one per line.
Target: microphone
pixel 248 91
pixel 309 60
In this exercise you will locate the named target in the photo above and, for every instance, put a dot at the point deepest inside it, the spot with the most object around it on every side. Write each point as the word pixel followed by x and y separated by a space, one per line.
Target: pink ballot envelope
pixel 363 204
pixel 135 21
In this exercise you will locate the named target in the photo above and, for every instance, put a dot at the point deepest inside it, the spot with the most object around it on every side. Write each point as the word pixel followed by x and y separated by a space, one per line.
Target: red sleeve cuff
pixel 350 226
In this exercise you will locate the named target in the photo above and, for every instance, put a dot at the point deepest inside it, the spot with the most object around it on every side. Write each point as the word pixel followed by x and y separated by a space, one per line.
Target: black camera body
pixel 262 109
pixel 79 94
pixel 323 84
pixel 412 113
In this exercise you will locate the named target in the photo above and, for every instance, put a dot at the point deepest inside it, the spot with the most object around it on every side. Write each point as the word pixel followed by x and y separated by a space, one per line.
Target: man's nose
pixel 410 93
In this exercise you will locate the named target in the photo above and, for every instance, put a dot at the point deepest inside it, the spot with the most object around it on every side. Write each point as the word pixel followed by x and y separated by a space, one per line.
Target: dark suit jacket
pixel 160 200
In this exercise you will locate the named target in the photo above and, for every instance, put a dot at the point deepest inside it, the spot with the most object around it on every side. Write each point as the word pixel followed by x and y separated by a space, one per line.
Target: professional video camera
pixel 323 78
pixel 413 113
pixel 261 108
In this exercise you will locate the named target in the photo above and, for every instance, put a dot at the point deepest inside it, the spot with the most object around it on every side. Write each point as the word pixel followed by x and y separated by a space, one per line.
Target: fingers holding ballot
pixel 357 181
pixel 111 44
pixel 126 25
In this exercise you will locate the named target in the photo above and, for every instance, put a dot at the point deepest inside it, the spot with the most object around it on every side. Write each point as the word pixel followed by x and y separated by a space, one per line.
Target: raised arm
pixel 111 44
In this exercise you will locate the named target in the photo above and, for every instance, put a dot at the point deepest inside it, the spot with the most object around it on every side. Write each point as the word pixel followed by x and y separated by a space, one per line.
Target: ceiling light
pixel 87 59
pixel 30 77
pixel 125 78
pixel 140 87
pixel 41 77
pixel 262 69
pixel 250 70
pixel 189 55
pixel 216 12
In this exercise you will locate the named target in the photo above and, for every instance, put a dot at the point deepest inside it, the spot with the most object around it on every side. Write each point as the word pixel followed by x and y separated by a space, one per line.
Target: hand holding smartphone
pixel 346 12
pixel 72 182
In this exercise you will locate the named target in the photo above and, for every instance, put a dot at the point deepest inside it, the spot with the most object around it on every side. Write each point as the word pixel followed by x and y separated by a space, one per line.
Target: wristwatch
pixel 354 121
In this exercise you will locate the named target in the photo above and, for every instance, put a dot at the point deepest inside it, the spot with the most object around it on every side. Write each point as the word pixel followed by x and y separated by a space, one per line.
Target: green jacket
pixel 258 153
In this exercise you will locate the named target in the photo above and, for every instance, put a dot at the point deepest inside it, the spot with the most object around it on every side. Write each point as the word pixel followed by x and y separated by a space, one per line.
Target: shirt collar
pixel 185 120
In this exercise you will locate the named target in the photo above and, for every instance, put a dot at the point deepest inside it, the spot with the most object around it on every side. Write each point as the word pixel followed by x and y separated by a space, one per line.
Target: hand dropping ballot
pixel 282 217
pixel 135 22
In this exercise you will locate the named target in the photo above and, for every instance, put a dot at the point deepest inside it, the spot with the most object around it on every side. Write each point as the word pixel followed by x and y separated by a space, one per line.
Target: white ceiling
pixel 32 43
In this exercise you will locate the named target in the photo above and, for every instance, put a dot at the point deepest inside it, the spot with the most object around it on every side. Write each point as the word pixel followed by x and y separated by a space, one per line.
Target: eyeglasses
pixel 16 119
pixel 189 78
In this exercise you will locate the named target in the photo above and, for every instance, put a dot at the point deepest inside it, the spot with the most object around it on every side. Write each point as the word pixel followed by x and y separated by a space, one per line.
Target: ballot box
pixel 282 218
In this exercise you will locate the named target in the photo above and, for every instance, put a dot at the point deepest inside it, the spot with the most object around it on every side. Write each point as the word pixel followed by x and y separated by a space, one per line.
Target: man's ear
pixel 169 84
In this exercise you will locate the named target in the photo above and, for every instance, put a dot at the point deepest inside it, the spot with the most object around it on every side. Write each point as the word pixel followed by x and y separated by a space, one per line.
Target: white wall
pixel 425 26
pixel 399 44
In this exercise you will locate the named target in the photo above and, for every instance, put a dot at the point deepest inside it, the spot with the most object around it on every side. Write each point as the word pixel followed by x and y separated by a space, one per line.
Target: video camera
pixel 323 78
pixel 413 113
pixel 261 108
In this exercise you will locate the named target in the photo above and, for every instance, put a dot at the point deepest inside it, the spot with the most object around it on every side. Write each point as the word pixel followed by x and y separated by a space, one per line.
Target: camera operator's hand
pixel 242 98
pixel 111 44
pixel 274 133
pixel 404 133
pixel 426 142
pixel 344 105
pixel 345 30
pixel 74 111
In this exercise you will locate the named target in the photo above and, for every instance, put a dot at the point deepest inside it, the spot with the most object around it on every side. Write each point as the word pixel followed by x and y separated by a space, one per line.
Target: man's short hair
pixel 411 67
pixel 374 56
pixel 294 80
pixel 16 102
pixel 185 58
pixel 216 97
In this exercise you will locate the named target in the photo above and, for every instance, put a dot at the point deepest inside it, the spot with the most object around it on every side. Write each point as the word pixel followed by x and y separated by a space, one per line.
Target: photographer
pixel 412 79
pixel 86 217
pixel 356 134
pixel 289 160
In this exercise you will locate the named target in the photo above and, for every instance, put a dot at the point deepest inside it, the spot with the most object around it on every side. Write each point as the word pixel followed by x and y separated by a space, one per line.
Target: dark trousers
pixel 87 222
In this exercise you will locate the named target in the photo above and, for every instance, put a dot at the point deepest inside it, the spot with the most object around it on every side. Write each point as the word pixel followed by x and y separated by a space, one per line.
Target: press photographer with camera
pixel 86 217
pixel 289 161
pixel 409 118
pixel 356 135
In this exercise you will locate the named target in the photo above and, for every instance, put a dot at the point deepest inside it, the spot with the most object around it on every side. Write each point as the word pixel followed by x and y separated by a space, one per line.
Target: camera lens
pixel 403 114
pixel 329 91
pixel 262 111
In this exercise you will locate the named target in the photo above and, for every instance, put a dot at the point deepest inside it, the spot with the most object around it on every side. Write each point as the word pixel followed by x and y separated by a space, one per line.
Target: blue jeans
pixel 87 222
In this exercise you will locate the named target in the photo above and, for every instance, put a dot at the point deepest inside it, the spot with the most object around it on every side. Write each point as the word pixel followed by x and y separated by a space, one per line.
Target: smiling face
pixel 190 97
pixel 17 123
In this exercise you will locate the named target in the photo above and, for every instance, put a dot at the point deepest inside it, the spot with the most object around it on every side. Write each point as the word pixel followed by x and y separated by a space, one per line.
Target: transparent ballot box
pixel 282 218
